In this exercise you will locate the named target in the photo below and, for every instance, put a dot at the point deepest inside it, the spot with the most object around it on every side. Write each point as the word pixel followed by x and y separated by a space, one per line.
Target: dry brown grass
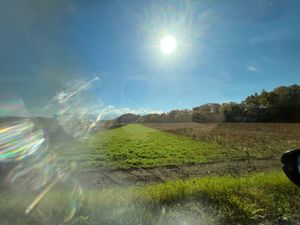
pixel 256 140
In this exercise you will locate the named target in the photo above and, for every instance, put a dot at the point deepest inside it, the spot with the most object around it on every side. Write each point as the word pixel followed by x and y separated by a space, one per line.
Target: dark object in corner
pixel 291 165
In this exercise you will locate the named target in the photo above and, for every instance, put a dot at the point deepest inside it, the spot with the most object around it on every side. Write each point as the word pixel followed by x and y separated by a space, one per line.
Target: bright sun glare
pixel 168 44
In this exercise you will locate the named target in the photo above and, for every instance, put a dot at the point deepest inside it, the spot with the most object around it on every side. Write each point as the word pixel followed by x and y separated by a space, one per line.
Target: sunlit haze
pixel 149 55
pixel 161 112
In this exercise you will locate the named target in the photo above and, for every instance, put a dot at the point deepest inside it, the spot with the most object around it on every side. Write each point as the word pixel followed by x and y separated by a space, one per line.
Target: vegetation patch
pixel 261 197
pixel 245 140
pixel 135 146
pixel 169 144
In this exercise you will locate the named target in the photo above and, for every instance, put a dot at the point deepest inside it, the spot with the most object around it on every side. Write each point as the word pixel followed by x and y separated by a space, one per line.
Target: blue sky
pixel 226 50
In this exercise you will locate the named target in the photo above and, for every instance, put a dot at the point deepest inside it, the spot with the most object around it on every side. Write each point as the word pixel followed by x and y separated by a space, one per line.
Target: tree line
pixel 280 105
pixel 169 117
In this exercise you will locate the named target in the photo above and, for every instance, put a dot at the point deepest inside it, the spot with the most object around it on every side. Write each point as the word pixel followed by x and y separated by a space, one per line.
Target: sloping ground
pixel 136 146
pixel 137 154
pixel 262 198
pixel 266 198
pixel 104 178
pixel 255 140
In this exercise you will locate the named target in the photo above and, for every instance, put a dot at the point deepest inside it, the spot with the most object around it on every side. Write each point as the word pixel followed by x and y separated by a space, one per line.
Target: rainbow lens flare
pixel 19 139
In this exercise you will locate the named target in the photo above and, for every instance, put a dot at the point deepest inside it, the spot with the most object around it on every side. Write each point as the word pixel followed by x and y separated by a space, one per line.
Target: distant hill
pixel 128 118
pixel 280 105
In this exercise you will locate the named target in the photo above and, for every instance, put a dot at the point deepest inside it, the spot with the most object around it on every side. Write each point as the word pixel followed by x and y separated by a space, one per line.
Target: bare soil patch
pixel 125 177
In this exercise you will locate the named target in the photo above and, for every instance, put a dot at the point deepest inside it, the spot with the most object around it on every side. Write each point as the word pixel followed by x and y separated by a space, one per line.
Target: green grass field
pixel 135 146
pixel 249 199
pixel 138 146
pixel 244 199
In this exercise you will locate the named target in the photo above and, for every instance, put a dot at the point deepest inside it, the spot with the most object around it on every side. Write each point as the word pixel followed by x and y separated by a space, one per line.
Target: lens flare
pixel 19 139
pixel 75 203
pixel 34 174
pixel 38 165
pixel 41 195
pixel 76 109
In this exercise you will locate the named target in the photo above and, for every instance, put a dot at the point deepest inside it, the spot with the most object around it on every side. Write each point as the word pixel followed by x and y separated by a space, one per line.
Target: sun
pixel 168 44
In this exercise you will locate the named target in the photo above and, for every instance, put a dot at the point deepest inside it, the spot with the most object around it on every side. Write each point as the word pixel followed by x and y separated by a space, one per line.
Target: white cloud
pixel 111 112
pixel 254 69
pixel 64 96
pixel 78 101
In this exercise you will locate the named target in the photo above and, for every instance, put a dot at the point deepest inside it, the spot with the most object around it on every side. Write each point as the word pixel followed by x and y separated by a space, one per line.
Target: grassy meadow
pixel 252 198
pixel 136 146
pixel 257 140
pixel 152 145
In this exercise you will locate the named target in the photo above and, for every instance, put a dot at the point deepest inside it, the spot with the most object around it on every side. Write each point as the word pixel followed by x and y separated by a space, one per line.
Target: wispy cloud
pixel 63 96
pixel 79 101
pixel 254 69
pixel 111 112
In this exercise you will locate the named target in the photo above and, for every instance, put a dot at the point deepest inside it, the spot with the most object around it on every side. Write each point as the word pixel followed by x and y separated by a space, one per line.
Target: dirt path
pixel 125 177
